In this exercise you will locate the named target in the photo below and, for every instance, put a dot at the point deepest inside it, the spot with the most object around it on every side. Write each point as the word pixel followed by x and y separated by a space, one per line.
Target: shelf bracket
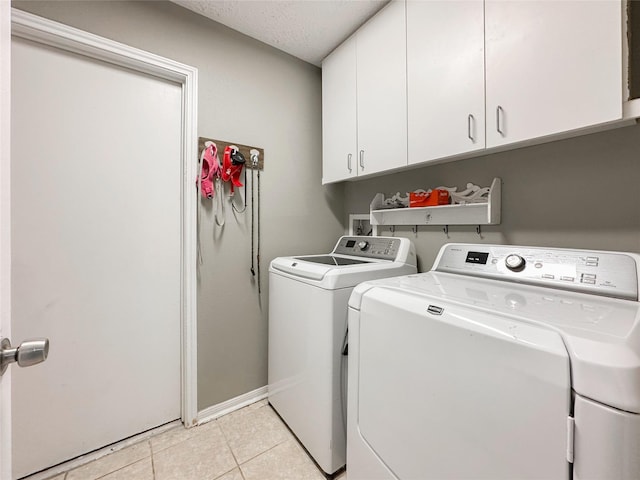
pixel 478 231
pixel 446 230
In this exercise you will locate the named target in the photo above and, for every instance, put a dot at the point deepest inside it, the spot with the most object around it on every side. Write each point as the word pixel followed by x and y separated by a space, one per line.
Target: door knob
pixel 30 352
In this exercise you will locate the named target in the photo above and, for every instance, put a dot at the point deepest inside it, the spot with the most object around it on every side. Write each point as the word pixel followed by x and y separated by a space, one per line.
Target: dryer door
pixel 450 392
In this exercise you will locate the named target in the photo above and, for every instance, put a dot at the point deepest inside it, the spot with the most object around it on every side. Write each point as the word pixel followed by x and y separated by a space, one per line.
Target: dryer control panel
pixel 612 274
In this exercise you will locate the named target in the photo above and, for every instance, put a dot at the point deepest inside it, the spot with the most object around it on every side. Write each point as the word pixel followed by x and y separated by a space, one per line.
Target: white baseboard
pixel 231 405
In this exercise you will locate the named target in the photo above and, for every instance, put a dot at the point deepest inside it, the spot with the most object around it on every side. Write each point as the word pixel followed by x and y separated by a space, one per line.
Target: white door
pixel 445 78
pixel 551 67
pixel 96 254
pixel 381 47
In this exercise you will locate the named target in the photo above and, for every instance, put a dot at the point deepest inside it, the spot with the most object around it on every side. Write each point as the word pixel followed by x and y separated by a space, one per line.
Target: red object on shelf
pixel 429 199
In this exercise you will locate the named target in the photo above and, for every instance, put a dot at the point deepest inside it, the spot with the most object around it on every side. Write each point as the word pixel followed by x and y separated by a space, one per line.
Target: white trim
pixel 41 30
pixel 5 230
pixel 631 109
pixel 216 411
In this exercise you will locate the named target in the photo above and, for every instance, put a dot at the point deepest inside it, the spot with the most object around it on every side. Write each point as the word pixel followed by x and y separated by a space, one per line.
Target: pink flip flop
pixel 209 169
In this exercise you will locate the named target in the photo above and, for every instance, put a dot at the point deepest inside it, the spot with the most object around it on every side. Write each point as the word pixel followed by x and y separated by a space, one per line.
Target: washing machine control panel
pixel 604 273
pixel 386 248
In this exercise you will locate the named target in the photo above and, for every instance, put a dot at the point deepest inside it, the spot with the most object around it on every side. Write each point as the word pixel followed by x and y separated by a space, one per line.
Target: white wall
pixel 251 94
pixel 579 193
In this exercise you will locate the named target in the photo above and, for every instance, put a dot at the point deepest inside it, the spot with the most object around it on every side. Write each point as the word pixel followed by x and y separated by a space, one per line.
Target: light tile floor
pixel 249 444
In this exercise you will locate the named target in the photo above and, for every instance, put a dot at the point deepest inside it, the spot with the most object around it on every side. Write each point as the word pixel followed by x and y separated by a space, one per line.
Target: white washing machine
pixel 308 298
pixel 502 362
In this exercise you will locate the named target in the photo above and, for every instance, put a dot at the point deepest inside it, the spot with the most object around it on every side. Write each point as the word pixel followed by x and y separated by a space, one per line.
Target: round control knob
pixel 363 245
pixel 514 262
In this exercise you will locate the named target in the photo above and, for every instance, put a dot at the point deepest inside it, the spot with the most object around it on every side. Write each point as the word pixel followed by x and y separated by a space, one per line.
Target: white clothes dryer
pixel 502 362
pixel 308 298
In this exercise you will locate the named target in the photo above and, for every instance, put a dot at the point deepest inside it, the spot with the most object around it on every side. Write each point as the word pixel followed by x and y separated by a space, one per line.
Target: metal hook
pixel 414 229
pixel 446 230
pixel 478 230
pixel 392 228
pixel 254 157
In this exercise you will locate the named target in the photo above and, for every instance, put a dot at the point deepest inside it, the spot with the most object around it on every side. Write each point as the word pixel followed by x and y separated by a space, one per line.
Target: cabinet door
pixel 445 78
pixel 382 91
pixel 551 67
pixel 339 130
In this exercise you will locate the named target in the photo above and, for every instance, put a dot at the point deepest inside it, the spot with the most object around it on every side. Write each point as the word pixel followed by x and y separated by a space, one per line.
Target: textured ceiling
pixel 307 29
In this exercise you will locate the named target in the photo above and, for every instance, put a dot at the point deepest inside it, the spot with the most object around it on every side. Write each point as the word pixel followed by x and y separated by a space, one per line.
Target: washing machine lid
pixel 601 334
pixel 333 260
pixel 340 272
pixel 353 260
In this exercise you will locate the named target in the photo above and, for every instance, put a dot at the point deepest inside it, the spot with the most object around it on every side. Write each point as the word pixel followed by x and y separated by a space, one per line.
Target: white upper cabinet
pixel 339 114
pixel 445 78
pixel 364 99
pixel 433 80
pixel 551 67
pixel 382 91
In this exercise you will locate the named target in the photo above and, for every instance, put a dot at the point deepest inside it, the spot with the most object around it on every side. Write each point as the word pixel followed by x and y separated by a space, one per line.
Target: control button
pixel 589 278
pixel 548 275
pixel 363 245
pixel 537 265
pixel 567 279
pixel 589 281
pixel 592 261
pixel 514 262
pixel 494 261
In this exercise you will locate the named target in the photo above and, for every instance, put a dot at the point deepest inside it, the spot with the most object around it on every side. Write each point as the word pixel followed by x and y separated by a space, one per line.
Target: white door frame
pixel 47 32
pixel 5 231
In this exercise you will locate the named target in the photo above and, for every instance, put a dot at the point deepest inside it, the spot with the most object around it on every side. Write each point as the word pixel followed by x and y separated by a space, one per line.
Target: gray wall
pixel 582 192
pixel 252 94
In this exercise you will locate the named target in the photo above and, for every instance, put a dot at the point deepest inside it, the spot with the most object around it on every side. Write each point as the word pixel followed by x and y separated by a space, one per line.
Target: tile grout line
pixel 153 465
pixel 122 468
pixel 292 437
pixel 226 440
pixel 267 450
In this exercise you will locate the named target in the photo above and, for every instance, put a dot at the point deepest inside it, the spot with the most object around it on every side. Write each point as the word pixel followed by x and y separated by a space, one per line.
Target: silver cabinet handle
pixel 349 162
pixel 362 159
pixel 499 113
pixel 29 352
pixel 470 120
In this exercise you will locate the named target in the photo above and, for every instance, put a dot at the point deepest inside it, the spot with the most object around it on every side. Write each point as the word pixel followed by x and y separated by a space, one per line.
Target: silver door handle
pixel 349 162
pixel 469 122
pixel 362 159
pixel 30 352
pixel 499 113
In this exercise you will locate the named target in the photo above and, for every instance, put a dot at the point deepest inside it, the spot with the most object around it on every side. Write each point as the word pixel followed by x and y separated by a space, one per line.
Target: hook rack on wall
pixel 245 150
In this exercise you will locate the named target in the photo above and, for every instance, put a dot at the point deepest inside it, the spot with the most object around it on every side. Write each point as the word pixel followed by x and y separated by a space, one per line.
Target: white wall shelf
pixel 485 213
